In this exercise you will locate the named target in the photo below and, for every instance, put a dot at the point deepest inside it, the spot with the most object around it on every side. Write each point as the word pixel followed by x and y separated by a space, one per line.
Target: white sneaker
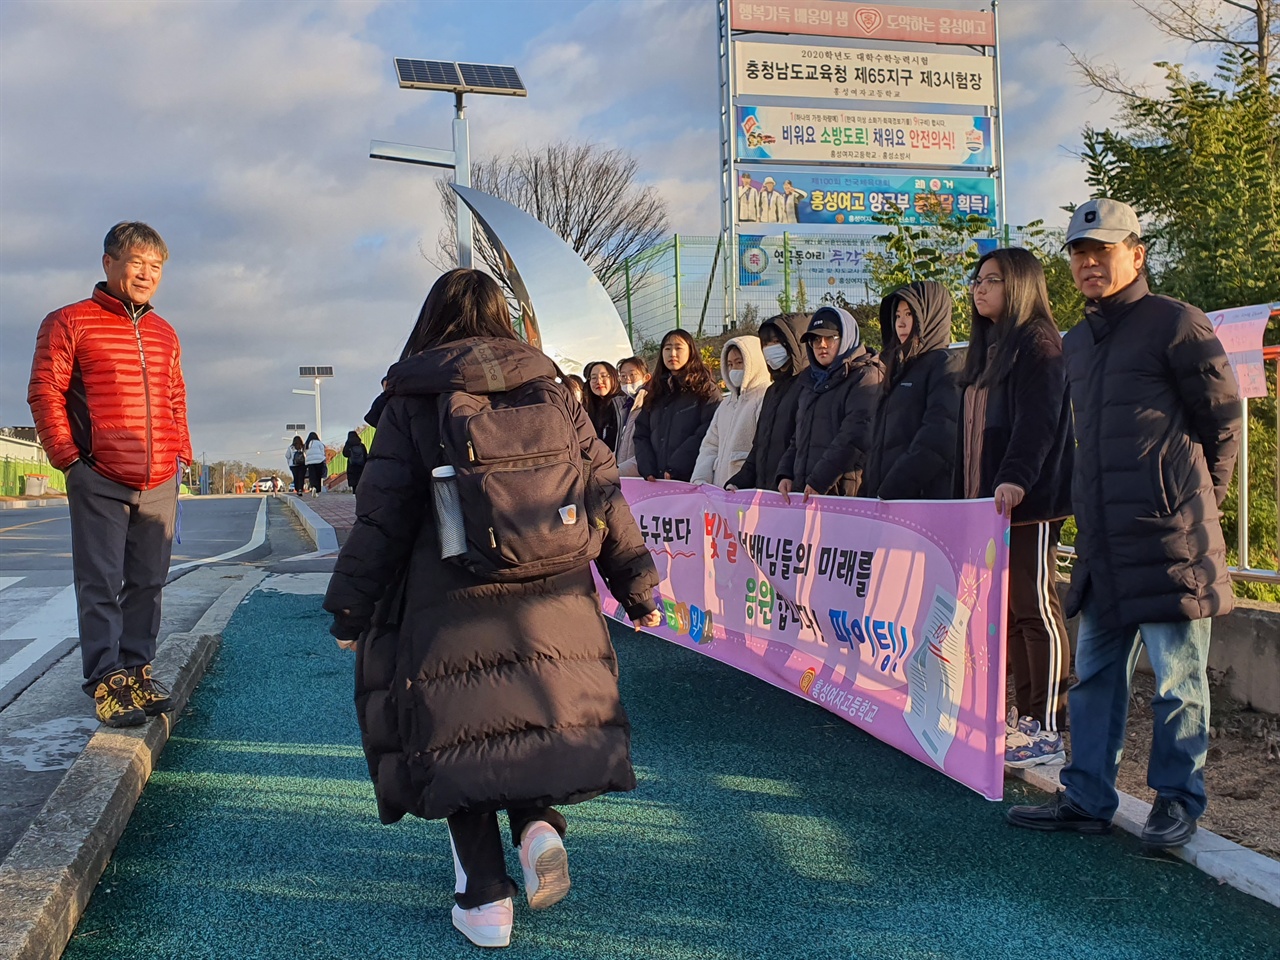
pixel 488 925
pixel 545 864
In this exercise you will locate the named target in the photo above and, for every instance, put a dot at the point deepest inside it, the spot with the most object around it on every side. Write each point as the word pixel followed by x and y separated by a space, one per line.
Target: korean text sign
pixel 846 73
pixel 1241 331
pixel 868 21
pixel 890 615
pixel 825 135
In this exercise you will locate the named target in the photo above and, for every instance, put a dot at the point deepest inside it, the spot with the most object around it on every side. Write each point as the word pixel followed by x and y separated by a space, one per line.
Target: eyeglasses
pixel 977 283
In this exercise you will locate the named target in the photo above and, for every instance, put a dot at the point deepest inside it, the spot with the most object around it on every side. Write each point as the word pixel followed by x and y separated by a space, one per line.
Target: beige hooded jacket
pixel 733 428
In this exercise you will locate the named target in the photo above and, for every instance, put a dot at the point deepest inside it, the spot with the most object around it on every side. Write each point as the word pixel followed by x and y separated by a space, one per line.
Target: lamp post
pixel 316 374
pixel 458 79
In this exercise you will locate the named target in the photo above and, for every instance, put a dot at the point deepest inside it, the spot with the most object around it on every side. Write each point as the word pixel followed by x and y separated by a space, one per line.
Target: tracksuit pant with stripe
pixel 479 864
pixel 1039 650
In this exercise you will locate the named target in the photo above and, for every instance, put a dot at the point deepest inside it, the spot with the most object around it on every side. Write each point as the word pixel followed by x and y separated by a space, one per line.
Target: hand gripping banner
pixel 889 614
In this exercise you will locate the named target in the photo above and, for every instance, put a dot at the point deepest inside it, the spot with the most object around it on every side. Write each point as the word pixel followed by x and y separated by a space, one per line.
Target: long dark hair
pixel 693 377
pixel 898 353
pixel 461 304
pixel 600 409
pixel 1026 314
pixel 297 443
pixel 312 436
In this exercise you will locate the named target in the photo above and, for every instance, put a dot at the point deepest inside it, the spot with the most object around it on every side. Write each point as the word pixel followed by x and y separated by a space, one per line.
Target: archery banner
pixel 889 614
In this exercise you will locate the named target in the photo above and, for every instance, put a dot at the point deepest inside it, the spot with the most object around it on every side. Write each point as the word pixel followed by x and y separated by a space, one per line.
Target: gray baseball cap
pixel 1109 221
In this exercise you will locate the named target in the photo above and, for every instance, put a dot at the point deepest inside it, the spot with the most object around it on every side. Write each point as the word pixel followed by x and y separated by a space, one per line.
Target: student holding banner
pixel 838 400
pixel 787 359
pixel 913 448
pixel 682 399
pixel 1016 444
pixel 633 378
pixel 728 439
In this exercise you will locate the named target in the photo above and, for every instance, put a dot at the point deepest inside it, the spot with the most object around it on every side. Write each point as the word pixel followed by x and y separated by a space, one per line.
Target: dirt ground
pixel 1242 772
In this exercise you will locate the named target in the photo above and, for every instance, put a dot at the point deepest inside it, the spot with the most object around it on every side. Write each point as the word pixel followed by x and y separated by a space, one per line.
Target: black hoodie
pixel 777 423
pixel 913 446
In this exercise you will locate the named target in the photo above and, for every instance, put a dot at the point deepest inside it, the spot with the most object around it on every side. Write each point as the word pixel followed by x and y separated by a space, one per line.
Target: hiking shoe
pixel 488 925
pixel 1058 815
pixel 115 704
pixel 149 693
pixel 1169 825
pixel 545 864
pixel 1041 747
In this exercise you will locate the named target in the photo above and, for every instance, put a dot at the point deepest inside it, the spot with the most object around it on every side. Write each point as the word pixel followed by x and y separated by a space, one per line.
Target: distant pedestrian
pixel 682 399
pixel 479 686
pixel 733 426
pixel 1158 419
pixel 317 458
pixel 110 407
pixel 606 403
pixel 633 378
pixel 1016 444
pixel 356 453
pixel 295 455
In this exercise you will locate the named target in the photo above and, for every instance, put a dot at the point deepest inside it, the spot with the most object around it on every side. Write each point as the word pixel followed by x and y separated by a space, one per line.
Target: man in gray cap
pixel 1157 417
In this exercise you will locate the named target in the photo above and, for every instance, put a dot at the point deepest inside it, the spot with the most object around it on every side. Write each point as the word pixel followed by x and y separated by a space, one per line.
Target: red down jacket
pixel 106 387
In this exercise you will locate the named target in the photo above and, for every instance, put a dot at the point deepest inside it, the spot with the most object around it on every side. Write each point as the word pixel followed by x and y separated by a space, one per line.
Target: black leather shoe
pixel 1059 814
pixel 1169 824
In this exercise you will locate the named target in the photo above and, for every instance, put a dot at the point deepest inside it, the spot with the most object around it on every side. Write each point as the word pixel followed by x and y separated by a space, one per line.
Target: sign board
pixel 826 135
pixel 846 73
pixel 835 265
pixel 1240 331
pixel 863 21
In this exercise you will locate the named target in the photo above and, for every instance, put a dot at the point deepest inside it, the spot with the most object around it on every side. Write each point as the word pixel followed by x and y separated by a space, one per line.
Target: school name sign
pixel 890 615
pixel 863 21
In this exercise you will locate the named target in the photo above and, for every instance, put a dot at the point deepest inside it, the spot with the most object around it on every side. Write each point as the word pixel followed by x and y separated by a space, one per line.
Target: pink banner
pixel 1241 330
pixel 889 614
pixel 867 21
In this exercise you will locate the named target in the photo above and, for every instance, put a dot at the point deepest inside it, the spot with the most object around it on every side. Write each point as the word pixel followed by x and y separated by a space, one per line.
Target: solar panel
pixel 490 78
pixel 315 371
pixel 428 74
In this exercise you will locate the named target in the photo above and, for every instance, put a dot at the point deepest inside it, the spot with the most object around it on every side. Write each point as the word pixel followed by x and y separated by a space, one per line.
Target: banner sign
pixel 845 73
pixel 1241 330
pixel 822 264
pixel 833 196
pixel 867 21
pixel 889 614
pixel 824 135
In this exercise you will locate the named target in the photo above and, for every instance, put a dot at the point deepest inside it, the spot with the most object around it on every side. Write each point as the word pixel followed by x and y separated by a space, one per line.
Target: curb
pixel 321 531
pixel 1226 861
pixel 48 877
pixel 22 504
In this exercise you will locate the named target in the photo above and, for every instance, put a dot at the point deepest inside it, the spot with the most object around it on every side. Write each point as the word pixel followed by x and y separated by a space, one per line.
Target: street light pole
pixel 462 175
pixel 315 374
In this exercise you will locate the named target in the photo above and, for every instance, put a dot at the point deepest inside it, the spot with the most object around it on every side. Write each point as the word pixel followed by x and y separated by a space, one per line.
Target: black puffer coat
pixel 777 423
pixel 828 450
pixel 474 695
pixel 913 447
pixel 669 434
pixel 1158 417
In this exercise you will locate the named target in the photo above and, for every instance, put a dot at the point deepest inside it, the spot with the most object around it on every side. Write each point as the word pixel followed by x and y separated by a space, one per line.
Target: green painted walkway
pixel 763 827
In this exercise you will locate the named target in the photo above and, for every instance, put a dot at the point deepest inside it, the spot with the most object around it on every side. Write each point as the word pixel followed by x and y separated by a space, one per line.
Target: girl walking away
pixel 841 391
pixel 787 358
pixel 356 453
pixel 295 455
pixel 733 427
pixel 482 686
pixel 913 447
pixel 1015 444
pixel 682 399
pixel 606 403
pixel 633 377
pixel 316 459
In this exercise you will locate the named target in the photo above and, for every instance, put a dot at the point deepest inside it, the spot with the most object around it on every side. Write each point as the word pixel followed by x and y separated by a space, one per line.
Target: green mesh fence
pixel 13 472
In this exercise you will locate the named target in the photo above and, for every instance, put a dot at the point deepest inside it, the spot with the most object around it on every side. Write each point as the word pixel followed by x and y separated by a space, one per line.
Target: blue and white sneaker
pixel 1032 747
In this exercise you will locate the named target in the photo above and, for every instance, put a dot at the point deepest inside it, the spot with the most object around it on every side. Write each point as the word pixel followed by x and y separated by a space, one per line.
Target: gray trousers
pixel 121 541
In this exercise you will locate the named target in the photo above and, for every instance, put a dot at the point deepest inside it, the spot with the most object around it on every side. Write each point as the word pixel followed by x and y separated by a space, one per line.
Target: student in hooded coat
pixel 913 446
pixel 356 453
pixel 787 358
pixel 838 400
pixel 682 399
pixel 728 441
pixel 317 458
pixel 606 403
pixel 633 377
pixel 475 696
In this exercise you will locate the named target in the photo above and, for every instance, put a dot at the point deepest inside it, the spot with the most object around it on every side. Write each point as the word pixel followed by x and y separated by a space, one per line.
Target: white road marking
pixel 258 538
pixel 51 624
pixel 10 581
pixel 301 583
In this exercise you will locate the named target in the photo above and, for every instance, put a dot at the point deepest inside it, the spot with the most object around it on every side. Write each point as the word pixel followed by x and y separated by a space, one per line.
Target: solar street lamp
pixel 458 79
pixel 316 374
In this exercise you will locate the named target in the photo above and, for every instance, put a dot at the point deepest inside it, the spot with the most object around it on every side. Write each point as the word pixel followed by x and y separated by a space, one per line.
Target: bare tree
pixel 587 194
pixel 1248 26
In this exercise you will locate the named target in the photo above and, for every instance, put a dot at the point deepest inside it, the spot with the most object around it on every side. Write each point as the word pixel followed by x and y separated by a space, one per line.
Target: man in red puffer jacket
pixel 110 407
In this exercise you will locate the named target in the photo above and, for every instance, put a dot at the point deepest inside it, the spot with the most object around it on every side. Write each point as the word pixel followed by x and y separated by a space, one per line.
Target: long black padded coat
pixel 913 445
pixel 474 695
pixel 1158 420
pixel 777 422
pixel 669 434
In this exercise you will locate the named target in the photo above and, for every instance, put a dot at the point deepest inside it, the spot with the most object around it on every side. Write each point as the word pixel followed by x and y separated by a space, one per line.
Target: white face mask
pixel 775 355
pixel 735 377
pixel 631 389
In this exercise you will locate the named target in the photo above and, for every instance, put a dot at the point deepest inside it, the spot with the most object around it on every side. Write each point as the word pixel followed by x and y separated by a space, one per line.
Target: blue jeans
pixel 1099 709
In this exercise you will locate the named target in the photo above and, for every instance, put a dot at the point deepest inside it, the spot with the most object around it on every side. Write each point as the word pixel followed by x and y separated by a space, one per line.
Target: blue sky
pixel 240 130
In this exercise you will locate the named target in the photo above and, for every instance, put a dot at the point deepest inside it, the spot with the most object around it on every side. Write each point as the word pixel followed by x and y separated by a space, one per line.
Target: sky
pixel 240 131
